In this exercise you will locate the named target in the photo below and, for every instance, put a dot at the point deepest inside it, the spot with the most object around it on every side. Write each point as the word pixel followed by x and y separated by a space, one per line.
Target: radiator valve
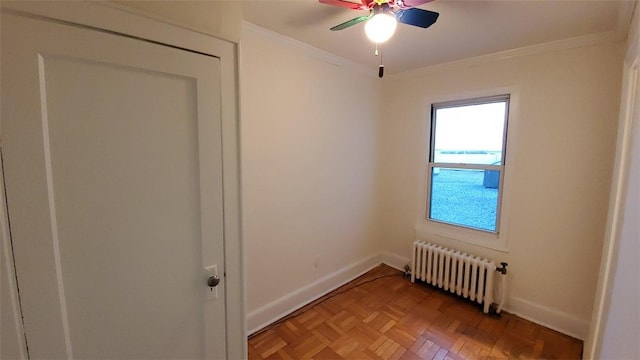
pixel 503 268
pixel 407 270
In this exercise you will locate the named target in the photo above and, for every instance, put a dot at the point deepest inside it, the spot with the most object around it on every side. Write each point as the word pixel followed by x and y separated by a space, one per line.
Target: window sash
pixel 475 101
pixel 472 101
pixel 501 167
pixel 465 166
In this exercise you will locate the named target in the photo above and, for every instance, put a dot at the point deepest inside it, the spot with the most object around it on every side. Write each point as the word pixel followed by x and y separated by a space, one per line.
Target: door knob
pixel 213 281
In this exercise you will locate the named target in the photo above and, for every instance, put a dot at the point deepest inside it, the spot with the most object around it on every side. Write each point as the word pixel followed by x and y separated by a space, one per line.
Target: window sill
pixel 427 229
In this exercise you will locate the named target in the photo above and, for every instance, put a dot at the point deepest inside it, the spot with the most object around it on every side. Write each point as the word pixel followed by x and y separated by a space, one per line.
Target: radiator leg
pixel 503 290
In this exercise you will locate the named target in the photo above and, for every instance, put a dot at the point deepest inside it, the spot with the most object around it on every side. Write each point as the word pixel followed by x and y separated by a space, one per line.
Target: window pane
pixel 466 197
pixel 471 134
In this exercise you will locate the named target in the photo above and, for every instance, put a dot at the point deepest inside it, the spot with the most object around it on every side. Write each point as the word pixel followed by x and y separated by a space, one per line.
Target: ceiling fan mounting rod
pixel 382 9
pixel 379 28
pixel 390 3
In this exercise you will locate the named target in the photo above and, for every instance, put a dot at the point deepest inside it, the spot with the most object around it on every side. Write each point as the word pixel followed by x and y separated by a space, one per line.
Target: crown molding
pixel 626 11
pixel 551 46
pixel 309 50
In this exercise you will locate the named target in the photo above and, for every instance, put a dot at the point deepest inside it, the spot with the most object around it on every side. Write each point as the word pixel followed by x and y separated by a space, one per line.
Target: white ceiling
pixel 465 28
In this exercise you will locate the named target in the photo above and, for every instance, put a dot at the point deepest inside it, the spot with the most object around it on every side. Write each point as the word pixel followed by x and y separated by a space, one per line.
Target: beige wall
pixel 309 157
pixel 561 170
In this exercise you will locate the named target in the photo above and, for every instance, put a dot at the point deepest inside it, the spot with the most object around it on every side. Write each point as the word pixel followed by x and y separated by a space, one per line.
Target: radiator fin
pixel 460 273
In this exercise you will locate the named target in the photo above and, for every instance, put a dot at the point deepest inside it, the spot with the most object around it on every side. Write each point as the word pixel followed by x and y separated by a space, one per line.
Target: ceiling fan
pixel 383 18
pixel 404 11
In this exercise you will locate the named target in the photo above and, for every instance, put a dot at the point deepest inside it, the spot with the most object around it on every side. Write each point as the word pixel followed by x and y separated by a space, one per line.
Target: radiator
pixel 463 274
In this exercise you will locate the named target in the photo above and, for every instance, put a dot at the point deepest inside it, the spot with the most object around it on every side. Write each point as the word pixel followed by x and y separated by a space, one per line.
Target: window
pixel 466 162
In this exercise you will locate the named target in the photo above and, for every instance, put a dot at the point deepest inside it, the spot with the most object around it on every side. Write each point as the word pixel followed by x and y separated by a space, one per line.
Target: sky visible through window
pixel 472 128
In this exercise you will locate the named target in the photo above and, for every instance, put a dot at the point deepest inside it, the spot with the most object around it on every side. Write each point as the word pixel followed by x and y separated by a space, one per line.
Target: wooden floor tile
pixel 382 315
pixel 268 343
pixel 310 347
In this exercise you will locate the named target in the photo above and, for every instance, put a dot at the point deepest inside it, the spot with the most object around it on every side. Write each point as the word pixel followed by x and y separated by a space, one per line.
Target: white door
pixel 112 164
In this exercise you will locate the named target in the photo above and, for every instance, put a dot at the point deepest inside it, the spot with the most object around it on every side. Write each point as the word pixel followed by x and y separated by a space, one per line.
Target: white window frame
pixel 428 228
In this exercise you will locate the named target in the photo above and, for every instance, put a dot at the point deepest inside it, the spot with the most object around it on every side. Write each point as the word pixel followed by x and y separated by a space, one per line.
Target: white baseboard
pixel 545 316
pixel 394 260
pixel 551 318
pixel 275 310
pixel 265 315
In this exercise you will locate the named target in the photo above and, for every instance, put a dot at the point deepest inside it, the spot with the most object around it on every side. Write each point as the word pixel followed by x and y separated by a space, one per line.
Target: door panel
pixel 113 171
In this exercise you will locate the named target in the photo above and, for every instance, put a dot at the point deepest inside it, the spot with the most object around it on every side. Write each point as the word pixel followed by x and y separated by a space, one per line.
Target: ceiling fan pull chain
pixel 381 67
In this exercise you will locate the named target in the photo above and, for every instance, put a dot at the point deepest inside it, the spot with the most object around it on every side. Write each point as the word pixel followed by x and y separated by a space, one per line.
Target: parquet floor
pixel 382 315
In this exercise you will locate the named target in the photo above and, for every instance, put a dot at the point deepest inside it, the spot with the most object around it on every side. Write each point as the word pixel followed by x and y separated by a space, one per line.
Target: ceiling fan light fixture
pixel 380 27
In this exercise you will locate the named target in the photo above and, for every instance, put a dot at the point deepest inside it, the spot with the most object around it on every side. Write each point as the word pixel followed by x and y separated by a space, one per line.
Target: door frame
pixel 115 19
pixel 617 199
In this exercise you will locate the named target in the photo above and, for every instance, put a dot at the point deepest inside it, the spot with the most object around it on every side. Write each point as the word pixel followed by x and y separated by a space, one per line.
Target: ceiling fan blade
pixel 405 4
pixel 417 17
pixel 346 4
pixel 351 22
